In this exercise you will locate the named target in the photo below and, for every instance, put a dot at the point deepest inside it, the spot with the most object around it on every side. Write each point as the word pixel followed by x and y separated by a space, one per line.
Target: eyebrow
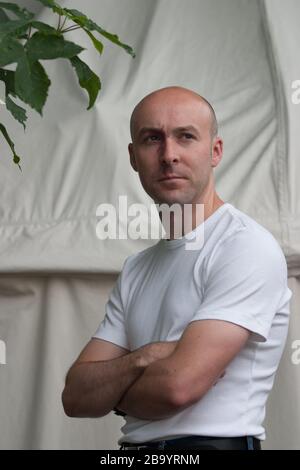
pixel 177 129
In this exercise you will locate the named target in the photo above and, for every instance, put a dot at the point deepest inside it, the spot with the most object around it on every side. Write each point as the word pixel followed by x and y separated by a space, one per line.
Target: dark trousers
pixel 198 443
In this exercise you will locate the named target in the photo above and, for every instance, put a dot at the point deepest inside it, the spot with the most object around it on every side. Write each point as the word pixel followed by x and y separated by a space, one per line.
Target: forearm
pixel 92 389
pixel 152 395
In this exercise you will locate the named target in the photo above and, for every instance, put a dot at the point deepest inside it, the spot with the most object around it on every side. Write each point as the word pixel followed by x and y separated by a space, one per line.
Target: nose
pixel 169 153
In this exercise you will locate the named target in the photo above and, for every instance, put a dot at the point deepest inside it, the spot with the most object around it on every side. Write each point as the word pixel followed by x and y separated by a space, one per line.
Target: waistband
pixel 200 442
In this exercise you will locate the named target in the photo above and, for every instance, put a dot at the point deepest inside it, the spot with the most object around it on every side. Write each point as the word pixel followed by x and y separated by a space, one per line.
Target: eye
pixel 188 136
pixel 151 138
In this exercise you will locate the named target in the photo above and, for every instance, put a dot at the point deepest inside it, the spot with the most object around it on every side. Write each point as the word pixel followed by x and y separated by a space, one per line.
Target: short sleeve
pixel 245 283
pixel 113 326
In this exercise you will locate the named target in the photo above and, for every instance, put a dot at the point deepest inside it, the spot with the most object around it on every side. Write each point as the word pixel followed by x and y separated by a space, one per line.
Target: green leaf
pixel 87 79
pixel 16 158
pixel 46 46
pixel 98 45
pixel 72 13
pixel 53 5
pixel 3 16
pixel 18 113
pixel 13 26
pixel 20 12
pixel 10 50
pixel 47 3
pixel 8 77
pixel 44 27
pixel 83 21
pixel 32 83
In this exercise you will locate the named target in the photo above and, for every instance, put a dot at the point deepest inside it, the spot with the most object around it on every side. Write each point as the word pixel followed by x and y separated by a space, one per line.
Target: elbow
pixel 68 403
pixel 77 406
pixel 184 396
pixel 72 403
pixel 178 398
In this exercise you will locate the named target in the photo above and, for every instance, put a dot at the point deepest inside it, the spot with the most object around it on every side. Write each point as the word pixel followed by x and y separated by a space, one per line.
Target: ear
pixel 132 158
pixel 217 151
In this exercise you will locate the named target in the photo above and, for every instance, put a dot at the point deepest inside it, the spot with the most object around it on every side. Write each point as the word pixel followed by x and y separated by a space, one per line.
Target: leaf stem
pixel 70 28
pixel 64 22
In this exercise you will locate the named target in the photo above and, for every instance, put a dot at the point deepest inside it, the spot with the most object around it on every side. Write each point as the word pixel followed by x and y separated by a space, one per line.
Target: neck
pixel 190 216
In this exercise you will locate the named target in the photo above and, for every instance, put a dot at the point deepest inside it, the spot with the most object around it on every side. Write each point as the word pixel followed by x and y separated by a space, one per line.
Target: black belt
pixel 199 442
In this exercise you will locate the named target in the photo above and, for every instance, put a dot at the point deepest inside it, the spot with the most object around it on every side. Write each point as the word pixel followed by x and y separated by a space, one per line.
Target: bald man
pixel 191 340
pixel 175 147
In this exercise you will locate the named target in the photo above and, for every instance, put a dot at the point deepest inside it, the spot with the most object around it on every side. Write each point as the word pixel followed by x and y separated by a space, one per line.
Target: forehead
pixel 171 112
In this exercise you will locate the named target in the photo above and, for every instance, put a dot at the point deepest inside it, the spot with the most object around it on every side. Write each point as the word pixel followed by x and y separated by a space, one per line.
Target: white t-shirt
pixel 239 275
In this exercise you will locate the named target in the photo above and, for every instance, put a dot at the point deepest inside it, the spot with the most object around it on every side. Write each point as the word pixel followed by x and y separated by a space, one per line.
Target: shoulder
pixel 242 238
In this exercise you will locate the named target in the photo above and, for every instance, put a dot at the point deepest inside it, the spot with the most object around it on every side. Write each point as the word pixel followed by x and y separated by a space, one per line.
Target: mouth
pixel 171 178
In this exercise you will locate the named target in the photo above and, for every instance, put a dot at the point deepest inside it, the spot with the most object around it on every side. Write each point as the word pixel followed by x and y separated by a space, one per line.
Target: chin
pixel 171 200
pixel 172 197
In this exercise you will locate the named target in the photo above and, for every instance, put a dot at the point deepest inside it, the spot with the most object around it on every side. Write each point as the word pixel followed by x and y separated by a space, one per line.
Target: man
pixel 191 339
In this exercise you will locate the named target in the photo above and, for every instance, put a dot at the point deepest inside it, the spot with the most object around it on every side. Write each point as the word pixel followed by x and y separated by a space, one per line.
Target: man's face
pixel 173 150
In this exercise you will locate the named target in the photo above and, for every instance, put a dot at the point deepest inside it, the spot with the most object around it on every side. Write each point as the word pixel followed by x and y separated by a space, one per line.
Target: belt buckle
pixel 134 447
pixel 160 445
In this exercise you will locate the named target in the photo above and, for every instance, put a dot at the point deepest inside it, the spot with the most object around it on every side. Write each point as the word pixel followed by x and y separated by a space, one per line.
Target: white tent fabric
pixel 55 274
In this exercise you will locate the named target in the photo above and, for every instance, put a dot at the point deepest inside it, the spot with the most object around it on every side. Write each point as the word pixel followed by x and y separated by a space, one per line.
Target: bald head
pixel 172 92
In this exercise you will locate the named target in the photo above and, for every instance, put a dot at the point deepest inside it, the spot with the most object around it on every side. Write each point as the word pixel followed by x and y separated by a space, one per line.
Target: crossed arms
pixel 155 381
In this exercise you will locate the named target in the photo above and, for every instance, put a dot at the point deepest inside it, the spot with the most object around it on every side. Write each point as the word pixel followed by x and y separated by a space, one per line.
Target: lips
pixel 171 177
